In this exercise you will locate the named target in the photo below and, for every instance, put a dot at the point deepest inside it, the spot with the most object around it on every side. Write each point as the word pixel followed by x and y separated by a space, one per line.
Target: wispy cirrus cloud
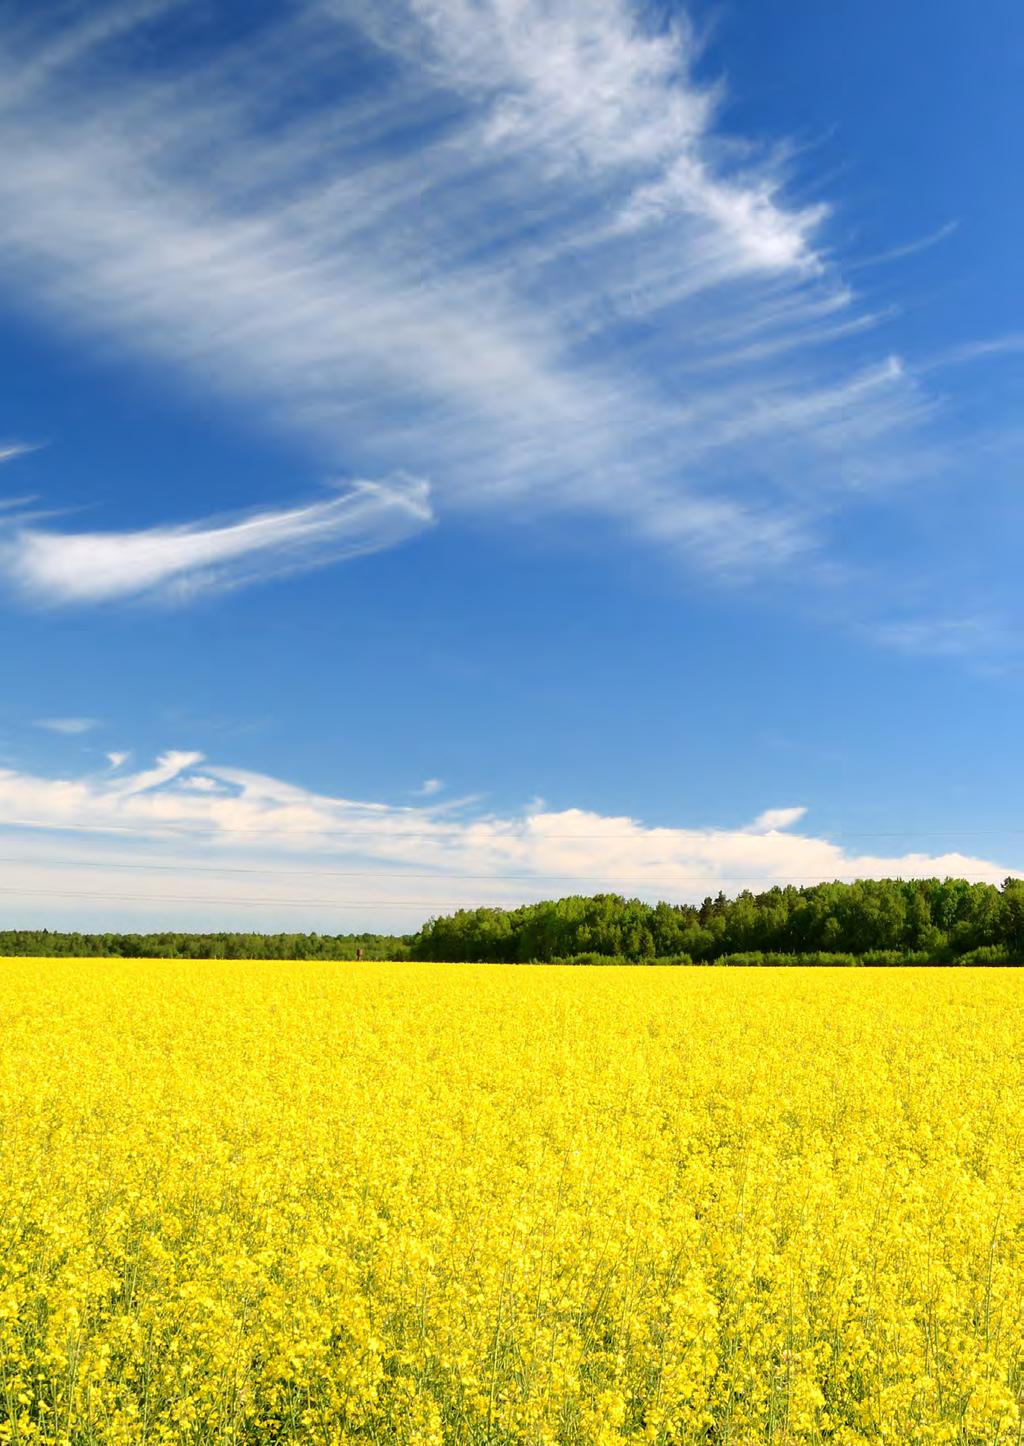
pixel 190 842
pixel 68 726
pixel 983 349
pixel 10 451
pixel 909 248
pixel 510 245
pixel 176 563
pixel 977 637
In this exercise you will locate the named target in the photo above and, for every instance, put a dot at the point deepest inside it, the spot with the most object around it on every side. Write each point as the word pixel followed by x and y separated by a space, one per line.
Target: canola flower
pixel 334 1203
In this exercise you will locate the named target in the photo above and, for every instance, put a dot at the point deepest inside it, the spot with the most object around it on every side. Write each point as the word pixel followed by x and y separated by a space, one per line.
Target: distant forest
pixel 882 921
pixel 49 943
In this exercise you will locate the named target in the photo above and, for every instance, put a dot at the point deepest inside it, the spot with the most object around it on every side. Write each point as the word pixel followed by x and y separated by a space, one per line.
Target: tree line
pixel 880 921
pixel 871 921
pixel 170 944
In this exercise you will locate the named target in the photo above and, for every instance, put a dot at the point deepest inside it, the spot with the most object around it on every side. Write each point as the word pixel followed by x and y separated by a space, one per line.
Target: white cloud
pixel 168 767
pixel 584 81
pixel 430 786
pixel 944 637
pixel 776 818
pixel 523 257
pixel 199 783
pixel 117 760
pixel 178 562
pixel 1012 344
pixel 157 849
pixel 909 248
pixel 9 451
pixel 68 726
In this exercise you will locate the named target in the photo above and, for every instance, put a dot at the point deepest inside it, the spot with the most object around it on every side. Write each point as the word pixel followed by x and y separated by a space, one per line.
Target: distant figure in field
pixel 359 953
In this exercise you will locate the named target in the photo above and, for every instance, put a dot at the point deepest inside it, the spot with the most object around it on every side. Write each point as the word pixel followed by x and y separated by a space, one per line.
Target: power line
pixel 446 876
pixel 442 832
pixel 263 900
pixel 248 902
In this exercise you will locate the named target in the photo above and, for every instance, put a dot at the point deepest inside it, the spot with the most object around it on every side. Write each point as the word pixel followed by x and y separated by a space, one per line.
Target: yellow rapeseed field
pixel 325 1203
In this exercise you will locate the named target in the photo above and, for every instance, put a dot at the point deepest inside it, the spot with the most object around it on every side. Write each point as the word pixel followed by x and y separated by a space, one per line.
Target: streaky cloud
pixel 910 248
pixel 176 564
pixel 509 245
pixel 10 451
pixel 68 726
pixel 975 636
pixel 983 349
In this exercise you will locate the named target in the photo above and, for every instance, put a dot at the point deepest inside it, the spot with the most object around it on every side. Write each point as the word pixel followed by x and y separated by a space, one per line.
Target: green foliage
pixel 47 944
pixel 877 922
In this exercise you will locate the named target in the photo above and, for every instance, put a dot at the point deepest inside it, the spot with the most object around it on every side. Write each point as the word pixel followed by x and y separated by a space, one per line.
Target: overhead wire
pixel 442 831
pixel 445 876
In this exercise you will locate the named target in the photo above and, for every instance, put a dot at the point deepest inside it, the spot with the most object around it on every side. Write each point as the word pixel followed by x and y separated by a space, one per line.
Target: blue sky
pixel 489 450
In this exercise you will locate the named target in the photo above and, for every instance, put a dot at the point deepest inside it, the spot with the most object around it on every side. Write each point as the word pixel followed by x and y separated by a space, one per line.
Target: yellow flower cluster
pixel 333 1203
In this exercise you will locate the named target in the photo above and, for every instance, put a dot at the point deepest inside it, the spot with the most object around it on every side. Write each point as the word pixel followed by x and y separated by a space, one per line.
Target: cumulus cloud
pixel 176 563
pixel 162 846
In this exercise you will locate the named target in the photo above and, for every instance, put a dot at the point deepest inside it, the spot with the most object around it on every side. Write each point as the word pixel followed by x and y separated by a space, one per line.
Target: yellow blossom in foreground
pixel 333 1203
